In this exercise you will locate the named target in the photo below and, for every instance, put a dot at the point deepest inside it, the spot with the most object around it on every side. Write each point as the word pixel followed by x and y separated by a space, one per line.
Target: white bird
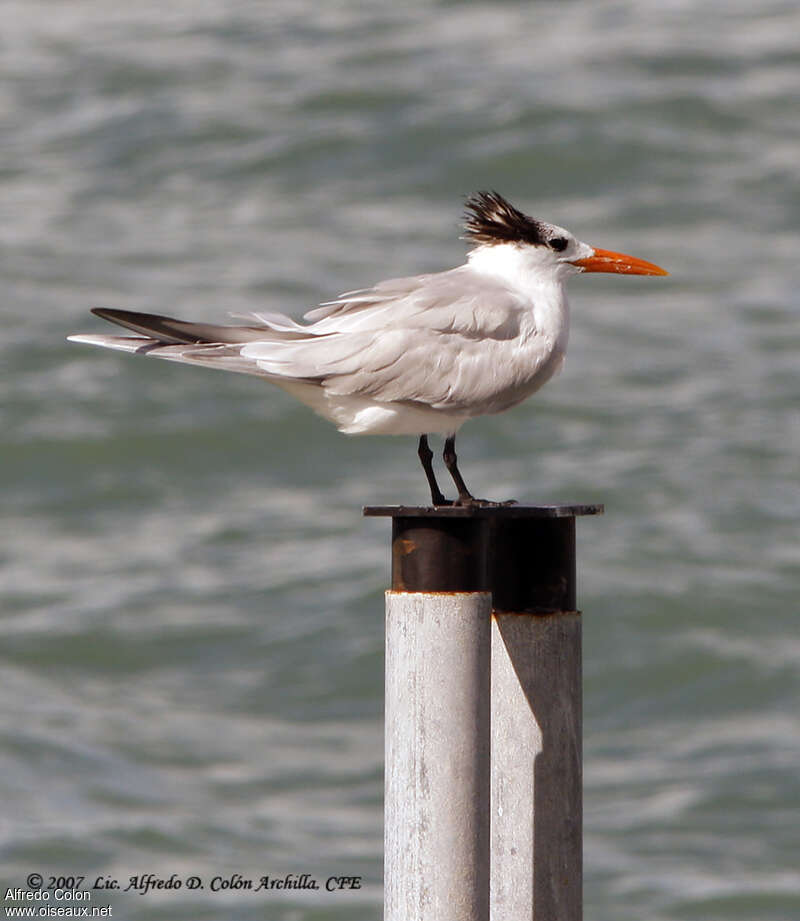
pixel 411 356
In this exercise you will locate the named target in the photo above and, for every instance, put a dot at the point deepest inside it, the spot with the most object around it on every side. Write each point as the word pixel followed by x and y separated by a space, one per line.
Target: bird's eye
pixel 559 244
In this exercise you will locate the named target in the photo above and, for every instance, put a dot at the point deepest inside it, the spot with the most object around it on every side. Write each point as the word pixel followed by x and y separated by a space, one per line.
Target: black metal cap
pixel 523 554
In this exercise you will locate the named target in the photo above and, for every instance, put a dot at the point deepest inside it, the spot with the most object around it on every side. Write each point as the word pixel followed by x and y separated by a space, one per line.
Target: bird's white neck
pixel 534 276
pixel 520 267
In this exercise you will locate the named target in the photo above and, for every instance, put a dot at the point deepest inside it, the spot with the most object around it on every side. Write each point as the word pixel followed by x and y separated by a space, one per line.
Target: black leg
pixel 450 461
pixel 426 456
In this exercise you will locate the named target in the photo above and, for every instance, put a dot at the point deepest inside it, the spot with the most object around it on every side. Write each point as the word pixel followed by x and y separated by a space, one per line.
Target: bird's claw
pixel 472 502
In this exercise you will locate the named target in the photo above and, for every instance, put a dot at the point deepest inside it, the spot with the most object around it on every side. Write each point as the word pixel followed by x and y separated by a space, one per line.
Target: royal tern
pixel 410 356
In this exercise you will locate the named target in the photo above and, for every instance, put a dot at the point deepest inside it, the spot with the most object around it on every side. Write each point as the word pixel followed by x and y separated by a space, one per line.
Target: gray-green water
pixel 192 617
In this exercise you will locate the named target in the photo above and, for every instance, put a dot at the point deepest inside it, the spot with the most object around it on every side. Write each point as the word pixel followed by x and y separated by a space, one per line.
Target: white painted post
pixel 537 793
pixel 537 808
pixel 437 756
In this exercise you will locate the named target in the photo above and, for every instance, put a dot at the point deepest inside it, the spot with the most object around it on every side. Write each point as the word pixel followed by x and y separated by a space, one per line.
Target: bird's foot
pixel 472 502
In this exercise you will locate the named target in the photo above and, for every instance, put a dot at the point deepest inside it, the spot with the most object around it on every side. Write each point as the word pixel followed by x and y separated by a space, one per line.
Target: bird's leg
pixel 465 497
pixel 426 456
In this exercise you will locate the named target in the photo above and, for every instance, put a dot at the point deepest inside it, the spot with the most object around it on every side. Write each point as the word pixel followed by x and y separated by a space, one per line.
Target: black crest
pixel 489 218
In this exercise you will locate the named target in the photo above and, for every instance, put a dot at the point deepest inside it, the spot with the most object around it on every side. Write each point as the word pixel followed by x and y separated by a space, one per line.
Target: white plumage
pixel 410 356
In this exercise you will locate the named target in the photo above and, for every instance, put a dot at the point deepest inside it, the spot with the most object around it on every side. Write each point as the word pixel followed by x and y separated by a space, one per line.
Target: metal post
pixel 437 756
pixel 483 715
pixel 537 793
pixel 438 649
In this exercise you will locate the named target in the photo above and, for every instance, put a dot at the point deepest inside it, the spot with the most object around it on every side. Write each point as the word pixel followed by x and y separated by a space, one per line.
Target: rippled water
pixel 192 618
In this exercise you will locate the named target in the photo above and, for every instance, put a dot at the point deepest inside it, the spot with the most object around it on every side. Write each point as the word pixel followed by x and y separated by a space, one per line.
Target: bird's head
pixel 490 220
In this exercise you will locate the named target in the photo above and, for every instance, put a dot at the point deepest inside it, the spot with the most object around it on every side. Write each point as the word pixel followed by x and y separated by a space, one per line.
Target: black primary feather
pixel 489 218
pixel 169 331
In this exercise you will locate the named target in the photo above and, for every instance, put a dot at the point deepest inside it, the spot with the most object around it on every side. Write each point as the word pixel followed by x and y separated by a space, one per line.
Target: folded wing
pixel 431 339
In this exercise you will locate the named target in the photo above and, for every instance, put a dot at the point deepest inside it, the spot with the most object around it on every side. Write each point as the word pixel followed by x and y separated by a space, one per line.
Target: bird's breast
pixel 502 373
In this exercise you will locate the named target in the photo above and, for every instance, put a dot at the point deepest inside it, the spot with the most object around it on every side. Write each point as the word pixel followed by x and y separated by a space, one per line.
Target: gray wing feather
pixel 424 339
pixel 440 340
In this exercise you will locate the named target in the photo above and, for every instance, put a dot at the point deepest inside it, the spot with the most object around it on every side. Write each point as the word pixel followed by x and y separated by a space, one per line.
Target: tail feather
pixel 202 344
pixel 226 357
pixel 120 343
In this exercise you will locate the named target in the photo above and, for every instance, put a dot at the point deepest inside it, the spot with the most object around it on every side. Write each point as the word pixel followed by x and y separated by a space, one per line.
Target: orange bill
pixel 604 260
